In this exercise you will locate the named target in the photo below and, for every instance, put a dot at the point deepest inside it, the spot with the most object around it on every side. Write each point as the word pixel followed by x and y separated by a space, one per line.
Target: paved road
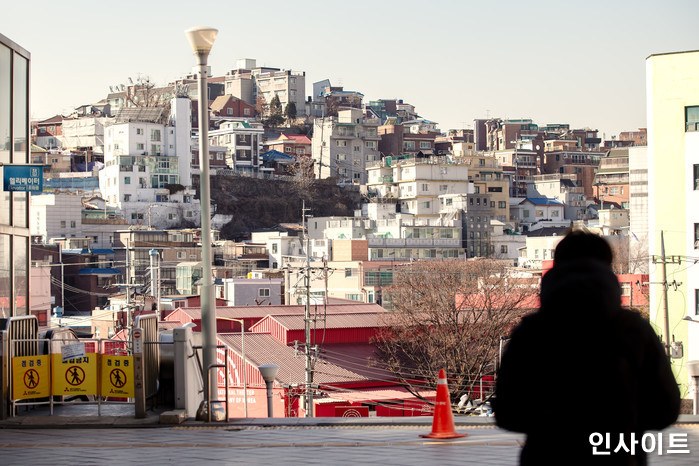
pixel 389 445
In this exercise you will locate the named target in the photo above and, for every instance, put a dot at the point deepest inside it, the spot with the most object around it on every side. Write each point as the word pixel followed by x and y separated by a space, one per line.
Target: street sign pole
pixel 139 386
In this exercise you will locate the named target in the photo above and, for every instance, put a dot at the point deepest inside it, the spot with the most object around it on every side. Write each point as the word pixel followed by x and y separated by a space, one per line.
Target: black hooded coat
pixel 581 365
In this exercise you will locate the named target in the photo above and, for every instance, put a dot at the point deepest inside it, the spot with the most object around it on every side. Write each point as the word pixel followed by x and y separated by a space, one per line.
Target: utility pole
pixel 307 320
pixel 663 260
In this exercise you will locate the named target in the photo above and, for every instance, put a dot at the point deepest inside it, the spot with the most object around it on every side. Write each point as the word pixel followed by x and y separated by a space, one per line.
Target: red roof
pixel 239 312
pixel 343 320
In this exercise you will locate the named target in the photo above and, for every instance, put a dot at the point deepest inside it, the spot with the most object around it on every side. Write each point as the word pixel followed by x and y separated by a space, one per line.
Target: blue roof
pixel 543 201
pixel 98 271
pixel 275 155
pixel 88 251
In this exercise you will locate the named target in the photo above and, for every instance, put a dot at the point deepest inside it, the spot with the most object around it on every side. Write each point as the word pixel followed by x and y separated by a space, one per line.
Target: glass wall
pixel 14 208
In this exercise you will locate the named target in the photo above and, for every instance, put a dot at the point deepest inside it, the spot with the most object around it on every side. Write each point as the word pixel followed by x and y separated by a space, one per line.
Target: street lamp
pixel 202 39
pixel 245 364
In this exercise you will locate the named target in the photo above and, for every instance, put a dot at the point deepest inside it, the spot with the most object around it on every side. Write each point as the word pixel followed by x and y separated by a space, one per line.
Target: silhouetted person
pixel 582 364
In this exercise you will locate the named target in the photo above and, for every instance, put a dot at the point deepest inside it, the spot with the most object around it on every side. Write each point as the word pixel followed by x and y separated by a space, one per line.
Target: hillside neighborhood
pixel 325 202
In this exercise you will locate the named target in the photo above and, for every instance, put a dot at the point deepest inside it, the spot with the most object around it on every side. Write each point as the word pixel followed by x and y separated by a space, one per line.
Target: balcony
pixel 414 242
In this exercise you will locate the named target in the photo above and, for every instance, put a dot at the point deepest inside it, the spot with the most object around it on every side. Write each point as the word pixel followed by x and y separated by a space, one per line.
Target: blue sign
pixel 27 178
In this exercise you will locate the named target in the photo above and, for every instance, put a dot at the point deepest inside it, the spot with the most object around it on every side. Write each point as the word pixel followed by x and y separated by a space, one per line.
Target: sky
pixel 581 63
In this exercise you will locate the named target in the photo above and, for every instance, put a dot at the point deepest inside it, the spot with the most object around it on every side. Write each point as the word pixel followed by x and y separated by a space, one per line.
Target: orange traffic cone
pixel 443 421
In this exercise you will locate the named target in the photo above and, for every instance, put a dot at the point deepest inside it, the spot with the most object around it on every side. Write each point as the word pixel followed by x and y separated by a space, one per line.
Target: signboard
pixel 117 376
pixel 76 376
pixel 72 351
pixel 138 341
pixel 30 377
pixel 27 178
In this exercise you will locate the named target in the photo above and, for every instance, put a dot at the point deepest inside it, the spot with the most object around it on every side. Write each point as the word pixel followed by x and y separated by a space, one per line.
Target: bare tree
pixel 304 177
pixel 630 254
pixel 451 315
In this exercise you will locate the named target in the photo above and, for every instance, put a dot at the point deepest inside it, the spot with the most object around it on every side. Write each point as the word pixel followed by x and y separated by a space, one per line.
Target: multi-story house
pixel 672 87
pixel 292 144
pixel 409 137
pixel 639 138
pixel 398 238
pixel 474 213
pixel 417 183
pixel 343 145
pixel 561 187
pixel 581 164
pixel 47 133
pixel 537 213
pixel 248 82
pixel 228 106
pixel 487 176
pixel 171 246
pixel 519 165
pixel 611 182
pixel 148 163
pixel 69 215
pixel 243 142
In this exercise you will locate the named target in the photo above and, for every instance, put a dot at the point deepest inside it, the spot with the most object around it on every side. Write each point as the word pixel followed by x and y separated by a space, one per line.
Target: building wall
pixel 638 199
pixel 672 84
pixel 14 207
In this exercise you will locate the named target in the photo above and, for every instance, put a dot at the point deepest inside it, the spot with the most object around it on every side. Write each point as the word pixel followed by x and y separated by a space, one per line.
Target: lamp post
pixel 245 364
pixel 202 39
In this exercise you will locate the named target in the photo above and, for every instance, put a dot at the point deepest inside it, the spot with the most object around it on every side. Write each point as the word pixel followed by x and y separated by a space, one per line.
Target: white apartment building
pixel 243 142
pixel 344 145
pixel 64 215
pixel 417 185
pixel 145 163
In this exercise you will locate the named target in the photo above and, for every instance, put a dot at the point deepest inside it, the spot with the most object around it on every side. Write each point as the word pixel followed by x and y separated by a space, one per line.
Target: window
pixel 696 302
pixel 263 292
pixel 274 248
pixel 155 135
pixel 350 272
pixel 691 118
pixel 181 255
pixel 127 180
pixel 443 187
pixel 63 223
pixel 408 145
pixel 140 146
pixel 696 177
pixel 72 223
pixel 246 111
pixel 229 111
pixel 502 204
pixel 341 143
pixel 525 213
pixel 503 249
pixel 136 216
pixel 425 187
pixel 155 149
pixel 127 197
pixel 139 130
pixel 219 156
pixel 357 148
pixel 425 145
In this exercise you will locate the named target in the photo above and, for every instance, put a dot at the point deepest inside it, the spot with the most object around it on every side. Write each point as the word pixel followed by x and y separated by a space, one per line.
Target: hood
pixel 579 288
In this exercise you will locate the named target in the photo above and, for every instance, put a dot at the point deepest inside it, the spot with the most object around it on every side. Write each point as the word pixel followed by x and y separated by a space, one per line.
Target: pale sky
pixel 579 62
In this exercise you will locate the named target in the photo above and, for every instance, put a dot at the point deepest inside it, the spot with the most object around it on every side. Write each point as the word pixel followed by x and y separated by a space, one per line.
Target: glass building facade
pixel 14 207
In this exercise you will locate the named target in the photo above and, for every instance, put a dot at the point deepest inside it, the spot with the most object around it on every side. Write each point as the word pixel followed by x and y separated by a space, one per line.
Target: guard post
pixel 139 385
